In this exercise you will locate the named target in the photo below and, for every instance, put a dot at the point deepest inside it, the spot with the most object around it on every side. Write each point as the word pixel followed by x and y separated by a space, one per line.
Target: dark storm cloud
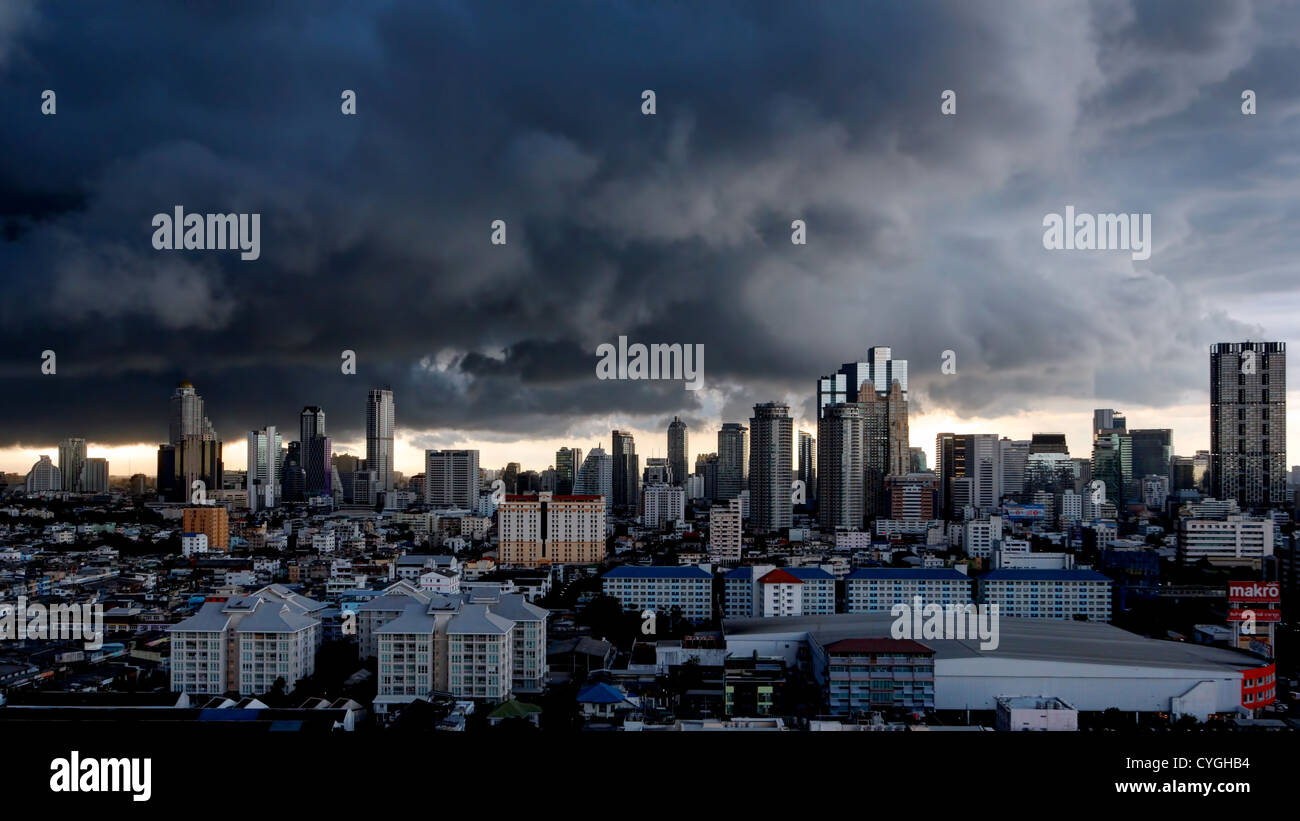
pixel 924 230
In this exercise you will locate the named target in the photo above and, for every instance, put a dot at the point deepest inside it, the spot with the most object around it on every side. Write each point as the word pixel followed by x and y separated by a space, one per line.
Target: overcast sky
pixel 924 231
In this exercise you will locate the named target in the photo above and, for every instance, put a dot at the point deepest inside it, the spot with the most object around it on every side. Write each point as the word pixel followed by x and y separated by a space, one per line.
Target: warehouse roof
pixel 1019 639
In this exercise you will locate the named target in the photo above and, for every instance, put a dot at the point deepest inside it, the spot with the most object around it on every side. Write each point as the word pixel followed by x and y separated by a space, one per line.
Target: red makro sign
pixel 1270 592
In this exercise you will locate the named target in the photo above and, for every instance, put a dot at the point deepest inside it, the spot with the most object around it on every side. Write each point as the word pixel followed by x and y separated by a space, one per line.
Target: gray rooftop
pixel 1023 639
pixel 477 620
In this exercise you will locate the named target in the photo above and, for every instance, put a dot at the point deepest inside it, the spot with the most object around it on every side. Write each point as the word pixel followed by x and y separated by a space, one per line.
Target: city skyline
pixel 410 450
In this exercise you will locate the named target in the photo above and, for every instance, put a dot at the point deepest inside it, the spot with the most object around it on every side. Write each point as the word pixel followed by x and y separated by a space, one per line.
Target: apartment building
pixel 874 674
pixel 245 643
pixel 1047 594
pixel 545 528
pixel 745 591
pixel 880 588
pixel 726 524
pixel 1229 538
pixel 482 644
pixel 661 589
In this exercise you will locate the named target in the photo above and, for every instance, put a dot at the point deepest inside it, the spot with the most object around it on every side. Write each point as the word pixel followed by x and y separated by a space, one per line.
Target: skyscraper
pixel 1107 419
pixel 381 422
pixel 848 383
pixel 1015 455
pixel 706 466
pixel 771 460
pixel 72 455
pixel 315 451
pixel 94 476
pixel 840 432
pixel 678 449
pixel 1248 423
pixel 885 442
pixel 567 463
pixel 733 455
pixel 193 452
pixel 976 457
pixel 808 464
pixel 262 478
pixel 451 478
pixel 596 476
pixel 1153 453
pixel 627 470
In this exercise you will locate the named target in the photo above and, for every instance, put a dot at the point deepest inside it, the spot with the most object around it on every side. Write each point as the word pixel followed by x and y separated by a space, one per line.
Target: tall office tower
pixel 262 478
pixel 72 455
pixel 1182 473
pixel 193 452
pixel 186 415
pixel 1048 443
pixel 1201 472
pixel 451 478
pixel 678 450
pixel 771 460
pixel 316 451
pixel 850 383
pixel 94 475
pixel 381 423
pixel 840 460
pixel 1248 423
pixel 885 446
pixel 627 471
pixel 916 460
pixel 973 456
pixel 1015 454
pixel 706 466
pixel 511 477
pixel 293 478
pixel 733 453
pixel 567 462
pixel 311 422
pixel 984 465
pixel 1153 453
pixel 1107 419
pixel 808 464
pixel 596 476
pixel 1112 463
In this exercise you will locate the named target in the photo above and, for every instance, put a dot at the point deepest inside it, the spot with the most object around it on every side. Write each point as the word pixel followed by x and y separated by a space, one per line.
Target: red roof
pixel 779 576
pixel 880 646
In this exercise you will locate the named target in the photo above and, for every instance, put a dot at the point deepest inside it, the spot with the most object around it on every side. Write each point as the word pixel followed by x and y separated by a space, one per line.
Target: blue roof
pixel 809 573
pixel 601 693
pixel 909 573
pixel 685 572
pixel 801 573
pixel 1018 575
